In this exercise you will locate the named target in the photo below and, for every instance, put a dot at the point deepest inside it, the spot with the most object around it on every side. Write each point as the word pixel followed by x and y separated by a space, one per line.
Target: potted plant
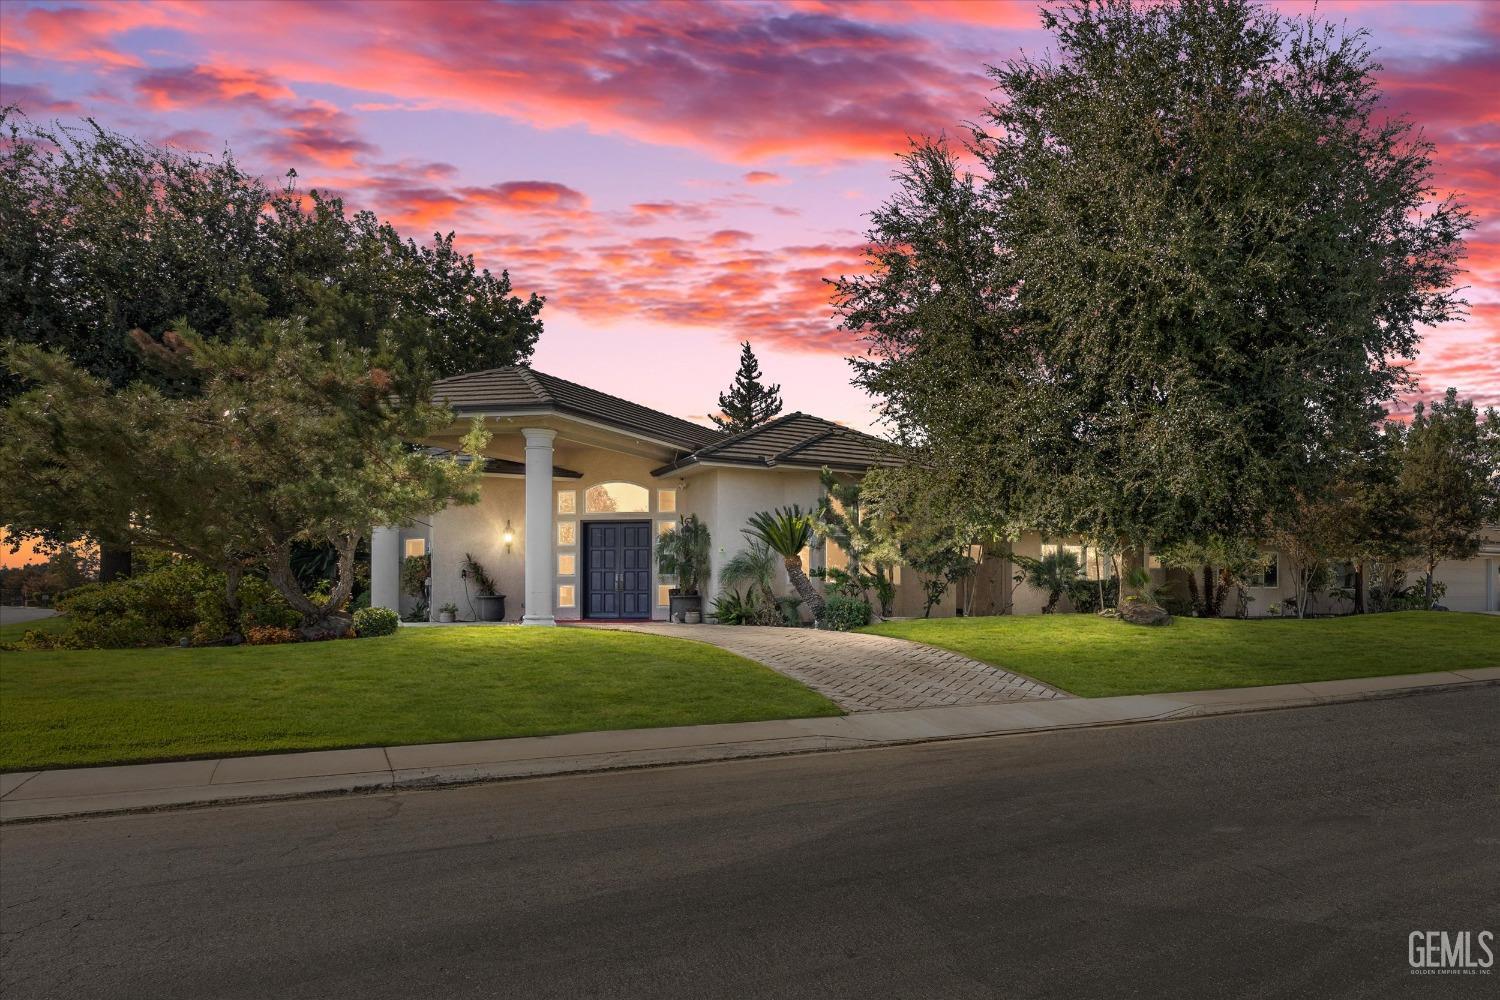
pixel 448 613
pixel 683 552
pixel 491 605
pixel 416 577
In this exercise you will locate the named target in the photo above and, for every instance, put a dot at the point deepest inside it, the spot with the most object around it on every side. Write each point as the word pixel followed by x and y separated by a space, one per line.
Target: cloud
pixel 529 196
pixel 764 177
pixel 190 86
pixel 35 100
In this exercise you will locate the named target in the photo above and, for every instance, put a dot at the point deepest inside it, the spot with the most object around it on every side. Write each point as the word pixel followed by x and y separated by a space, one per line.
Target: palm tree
pixel 1055 572
pixel 754 567
pixel 787 531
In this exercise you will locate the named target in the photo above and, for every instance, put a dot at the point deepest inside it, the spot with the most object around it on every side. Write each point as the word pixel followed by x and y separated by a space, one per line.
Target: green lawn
pixel 69 708
pixel 1096 657
pixel 13 633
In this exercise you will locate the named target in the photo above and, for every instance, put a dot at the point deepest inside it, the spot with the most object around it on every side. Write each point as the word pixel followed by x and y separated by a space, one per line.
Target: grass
pixel 70 708
pixel 13 632
pixel 1097 657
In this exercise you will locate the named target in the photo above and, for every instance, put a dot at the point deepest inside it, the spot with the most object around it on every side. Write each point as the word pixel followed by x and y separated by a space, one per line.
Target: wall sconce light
pixel 509 537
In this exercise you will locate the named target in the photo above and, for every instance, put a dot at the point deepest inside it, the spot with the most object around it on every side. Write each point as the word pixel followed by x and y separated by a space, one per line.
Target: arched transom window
pixel 617 498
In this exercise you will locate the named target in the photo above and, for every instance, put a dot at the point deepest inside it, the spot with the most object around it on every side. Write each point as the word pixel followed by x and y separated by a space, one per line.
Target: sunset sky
pixel 674 177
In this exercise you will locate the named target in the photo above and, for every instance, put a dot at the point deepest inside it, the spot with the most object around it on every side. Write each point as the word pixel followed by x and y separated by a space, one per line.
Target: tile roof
pixel 796 439
pixel 518 387
pixel 799 440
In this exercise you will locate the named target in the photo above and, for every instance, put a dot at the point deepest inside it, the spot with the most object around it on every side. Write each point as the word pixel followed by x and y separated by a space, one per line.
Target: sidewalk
pixel 86 791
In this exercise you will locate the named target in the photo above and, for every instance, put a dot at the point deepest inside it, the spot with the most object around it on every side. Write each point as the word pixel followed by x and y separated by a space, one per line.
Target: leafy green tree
pixel 787 531
pixel 101 234
pixel 754 568
pixel 748 403
pixel 1450 478
pixel 283 441
pixel 1191 263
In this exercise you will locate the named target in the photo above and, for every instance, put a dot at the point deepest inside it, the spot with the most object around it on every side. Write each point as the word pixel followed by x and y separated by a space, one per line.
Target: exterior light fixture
pixel 509 538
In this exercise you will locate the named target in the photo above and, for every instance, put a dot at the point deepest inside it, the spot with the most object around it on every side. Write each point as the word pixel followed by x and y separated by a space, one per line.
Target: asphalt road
pixel 1282 854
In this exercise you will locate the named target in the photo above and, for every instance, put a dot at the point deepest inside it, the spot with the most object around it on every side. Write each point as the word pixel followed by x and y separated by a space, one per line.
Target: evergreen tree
pixel 748 403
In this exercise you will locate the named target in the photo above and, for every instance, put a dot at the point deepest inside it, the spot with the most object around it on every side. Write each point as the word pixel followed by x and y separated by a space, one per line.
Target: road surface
pixel 1282 854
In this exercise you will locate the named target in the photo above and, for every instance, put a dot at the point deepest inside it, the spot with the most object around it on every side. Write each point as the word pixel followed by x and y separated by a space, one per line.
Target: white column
pixel 538 551
pixel 385 568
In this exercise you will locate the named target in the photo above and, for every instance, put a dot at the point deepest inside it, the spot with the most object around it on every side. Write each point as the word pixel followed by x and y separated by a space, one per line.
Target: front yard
pixel 69 708
pixel 1097 657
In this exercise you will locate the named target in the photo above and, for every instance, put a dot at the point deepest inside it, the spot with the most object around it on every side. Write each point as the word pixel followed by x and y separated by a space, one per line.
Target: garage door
pixel 1468 584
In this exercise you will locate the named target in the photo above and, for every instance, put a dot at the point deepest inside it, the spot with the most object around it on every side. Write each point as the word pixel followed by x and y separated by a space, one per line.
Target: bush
pixel 1083 594
pixel 176 597
pixel 842 613
pixel 269 635
pixel 36 639
pixel 372 622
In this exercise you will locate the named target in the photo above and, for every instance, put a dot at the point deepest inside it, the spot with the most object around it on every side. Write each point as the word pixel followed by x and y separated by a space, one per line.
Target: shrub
pixel 1083 594
pixel 731 608
pixel 372 622
pixel 176 597
pixel 269 635
pixel 843 613
pixel 35 639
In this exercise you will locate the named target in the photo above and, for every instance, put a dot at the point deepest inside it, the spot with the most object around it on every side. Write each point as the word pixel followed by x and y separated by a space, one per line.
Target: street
pixel 1280 854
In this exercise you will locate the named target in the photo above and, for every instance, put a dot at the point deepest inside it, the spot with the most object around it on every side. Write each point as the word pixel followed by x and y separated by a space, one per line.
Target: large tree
pixel 748 402
pixel 101 234
pixel 280 441
pixel 1190 265
pixel 1449 478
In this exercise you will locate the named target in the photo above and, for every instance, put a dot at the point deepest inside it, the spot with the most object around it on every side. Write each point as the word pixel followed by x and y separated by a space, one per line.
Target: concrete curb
pixel 61 794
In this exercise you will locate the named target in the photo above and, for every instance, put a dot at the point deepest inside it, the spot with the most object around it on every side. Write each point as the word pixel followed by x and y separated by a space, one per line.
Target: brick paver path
pixel 864 673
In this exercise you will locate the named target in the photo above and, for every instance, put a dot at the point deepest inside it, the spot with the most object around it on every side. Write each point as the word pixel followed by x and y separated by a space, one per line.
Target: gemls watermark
pixel 1450 953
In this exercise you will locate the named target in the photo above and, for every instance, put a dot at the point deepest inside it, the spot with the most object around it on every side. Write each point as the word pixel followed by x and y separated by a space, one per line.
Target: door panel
pixel 617 562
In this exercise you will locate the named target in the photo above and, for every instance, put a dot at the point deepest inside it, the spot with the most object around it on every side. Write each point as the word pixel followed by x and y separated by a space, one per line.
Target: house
pixel 578 484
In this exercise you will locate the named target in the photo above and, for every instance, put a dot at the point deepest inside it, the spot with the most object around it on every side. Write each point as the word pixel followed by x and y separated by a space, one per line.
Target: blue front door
pixel 617 569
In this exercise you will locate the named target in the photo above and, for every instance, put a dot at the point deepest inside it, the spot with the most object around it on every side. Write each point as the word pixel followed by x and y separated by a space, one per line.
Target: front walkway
pixel 863 673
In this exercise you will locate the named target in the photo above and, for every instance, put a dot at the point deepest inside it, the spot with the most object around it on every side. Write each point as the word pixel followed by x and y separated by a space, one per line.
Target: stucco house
pixel 578 484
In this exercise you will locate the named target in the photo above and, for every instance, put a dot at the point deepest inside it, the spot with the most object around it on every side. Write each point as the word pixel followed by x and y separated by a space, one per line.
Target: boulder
pixel 1140 613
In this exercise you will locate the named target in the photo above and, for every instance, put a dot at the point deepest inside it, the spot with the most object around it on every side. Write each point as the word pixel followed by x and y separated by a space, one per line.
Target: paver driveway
pixel 863 673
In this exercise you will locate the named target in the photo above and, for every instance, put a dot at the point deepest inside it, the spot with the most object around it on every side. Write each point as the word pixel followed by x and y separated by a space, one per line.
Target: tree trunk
pixel 328 620
pixel 804 587
pixel 1359 588
pixel 233 574
pixel 1210 607
pixel 114 562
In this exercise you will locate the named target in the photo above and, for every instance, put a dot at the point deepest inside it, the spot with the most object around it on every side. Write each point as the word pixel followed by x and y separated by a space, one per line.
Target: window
pixel 662 527
pixel 895 576
pixel 834 557
pixel 565 596
pixel 567 532
pixel 1341 574
pixel 666 501
pixel 616 498
pixel 416 547
pixel 1265 578
pixel 565 565
pixel 806 556
pixel 567 501
pixel 663 595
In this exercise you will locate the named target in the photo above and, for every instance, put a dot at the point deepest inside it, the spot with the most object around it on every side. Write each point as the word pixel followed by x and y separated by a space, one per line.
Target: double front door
pixel 617 569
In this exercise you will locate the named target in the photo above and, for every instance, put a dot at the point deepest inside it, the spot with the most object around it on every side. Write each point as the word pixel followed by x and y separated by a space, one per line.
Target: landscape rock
pixel 1138 613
